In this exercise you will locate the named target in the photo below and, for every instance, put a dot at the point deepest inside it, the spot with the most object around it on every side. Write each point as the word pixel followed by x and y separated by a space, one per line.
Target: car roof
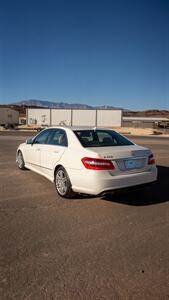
pixel 79 128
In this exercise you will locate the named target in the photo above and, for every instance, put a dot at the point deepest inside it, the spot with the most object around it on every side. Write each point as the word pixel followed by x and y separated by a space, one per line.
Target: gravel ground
pixel 114 247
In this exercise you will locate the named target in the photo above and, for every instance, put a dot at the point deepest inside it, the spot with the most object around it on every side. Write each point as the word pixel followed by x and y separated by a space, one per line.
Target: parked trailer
pixel 8 117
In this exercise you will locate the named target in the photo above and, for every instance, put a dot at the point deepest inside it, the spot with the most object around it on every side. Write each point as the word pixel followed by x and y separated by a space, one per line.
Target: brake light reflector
pixel 151 160
pixel 97 163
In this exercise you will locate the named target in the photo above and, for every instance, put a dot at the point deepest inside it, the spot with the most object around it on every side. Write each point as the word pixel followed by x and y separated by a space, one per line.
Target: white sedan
pixel 87 160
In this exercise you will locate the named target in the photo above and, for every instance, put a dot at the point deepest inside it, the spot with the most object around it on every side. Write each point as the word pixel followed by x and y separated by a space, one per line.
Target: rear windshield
pixel 101 138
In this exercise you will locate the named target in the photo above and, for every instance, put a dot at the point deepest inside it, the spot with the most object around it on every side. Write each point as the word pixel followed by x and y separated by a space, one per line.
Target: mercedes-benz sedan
pixel 87 160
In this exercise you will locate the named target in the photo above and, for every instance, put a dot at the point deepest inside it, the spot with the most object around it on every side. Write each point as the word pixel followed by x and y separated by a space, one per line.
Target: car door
pixel 52 151
pixel 33 154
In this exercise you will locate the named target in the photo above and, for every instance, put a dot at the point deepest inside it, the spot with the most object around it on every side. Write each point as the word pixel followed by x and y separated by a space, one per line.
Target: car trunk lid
pixel 130 159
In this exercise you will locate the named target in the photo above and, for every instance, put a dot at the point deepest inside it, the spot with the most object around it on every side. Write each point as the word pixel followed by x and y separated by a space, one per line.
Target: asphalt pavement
pixel 114 247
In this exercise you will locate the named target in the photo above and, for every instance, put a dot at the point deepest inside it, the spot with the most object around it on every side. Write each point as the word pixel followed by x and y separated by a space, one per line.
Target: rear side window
pixel 57 137
pixel 101 138
pixel 42 137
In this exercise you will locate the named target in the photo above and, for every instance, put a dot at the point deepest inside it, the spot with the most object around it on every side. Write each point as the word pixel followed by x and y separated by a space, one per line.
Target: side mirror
pixel 29 141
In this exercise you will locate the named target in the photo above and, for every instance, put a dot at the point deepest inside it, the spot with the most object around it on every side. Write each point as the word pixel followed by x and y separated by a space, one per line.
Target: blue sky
pixel 94 52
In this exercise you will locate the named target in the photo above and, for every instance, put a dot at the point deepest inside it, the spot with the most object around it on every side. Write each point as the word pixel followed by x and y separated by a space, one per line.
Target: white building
pixel 8 116
pixel 74 117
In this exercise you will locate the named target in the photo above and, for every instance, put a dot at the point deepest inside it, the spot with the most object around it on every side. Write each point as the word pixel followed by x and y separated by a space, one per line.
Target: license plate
pixel 131 164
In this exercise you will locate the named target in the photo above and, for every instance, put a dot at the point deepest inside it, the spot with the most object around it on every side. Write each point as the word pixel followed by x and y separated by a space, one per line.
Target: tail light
pixel 151 160
pixel 97 164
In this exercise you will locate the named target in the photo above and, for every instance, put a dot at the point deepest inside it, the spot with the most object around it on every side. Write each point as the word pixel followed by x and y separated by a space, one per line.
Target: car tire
pixel 20 161
pixel 62 183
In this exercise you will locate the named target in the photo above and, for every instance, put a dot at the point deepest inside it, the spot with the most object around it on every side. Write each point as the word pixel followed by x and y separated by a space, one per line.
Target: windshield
pixel 101 138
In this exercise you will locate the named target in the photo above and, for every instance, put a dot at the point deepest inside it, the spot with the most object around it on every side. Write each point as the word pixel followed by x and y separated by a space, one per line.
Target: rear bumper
pixel 129 189
pixel 97 182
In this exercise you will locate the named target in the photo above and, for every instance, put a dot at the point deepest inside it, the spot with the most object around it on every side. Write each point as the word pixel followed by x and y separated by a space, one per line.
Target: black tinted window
pixel 42 137
pixel 57 137
pixel 101 138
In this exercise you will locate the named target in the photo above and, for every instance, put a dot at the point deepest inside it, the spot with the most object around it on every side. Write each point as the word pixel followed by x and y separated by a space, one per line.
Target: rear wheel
pixel 63 184
pixel 20 161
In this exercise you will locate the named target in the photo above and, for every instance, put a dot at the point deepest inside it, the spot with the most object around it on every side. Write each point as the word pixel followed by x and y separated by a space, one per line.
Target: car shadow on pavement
pixel 153 194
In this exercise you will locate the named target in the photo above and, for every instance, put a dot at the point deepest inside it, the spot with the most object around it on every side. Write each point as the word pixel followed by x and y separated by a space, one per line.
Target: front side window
pixel 42 137
pixel 101 138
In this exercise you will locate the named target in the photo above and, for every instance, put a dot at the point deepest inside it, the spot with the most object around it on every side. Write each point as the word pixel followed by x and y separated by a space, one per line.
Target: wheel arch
pixel 21 165
pixel 56 168
pixel 18 150
pixel 69 193
pixel 22 152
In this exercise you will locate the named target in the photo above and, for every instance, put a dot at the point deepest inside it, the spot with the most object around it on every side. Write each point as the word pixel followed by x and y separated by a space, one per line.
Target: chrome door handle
pixel 37 149
pixel 56 151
